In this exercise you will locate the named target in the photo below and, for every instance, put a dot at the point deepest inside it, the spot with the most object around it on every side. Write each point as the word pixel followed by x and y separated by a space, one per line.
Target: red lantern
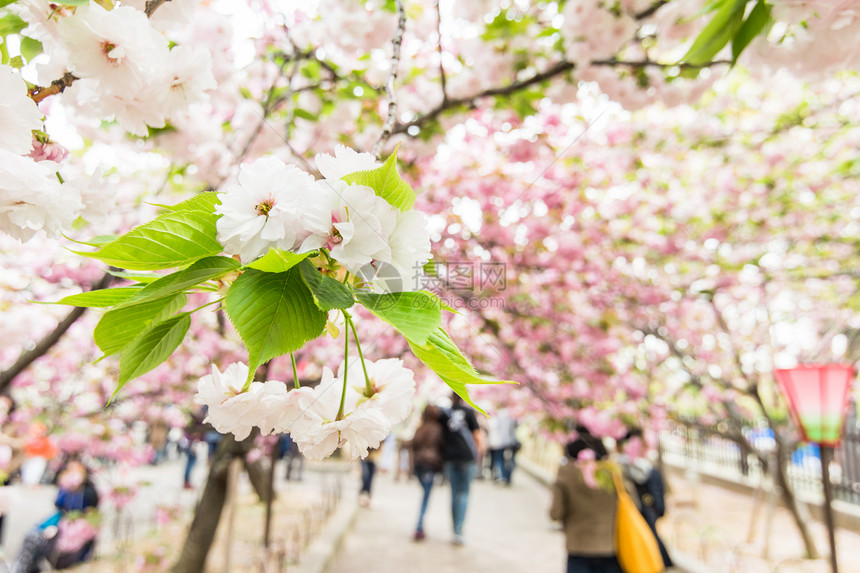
pixel 817 395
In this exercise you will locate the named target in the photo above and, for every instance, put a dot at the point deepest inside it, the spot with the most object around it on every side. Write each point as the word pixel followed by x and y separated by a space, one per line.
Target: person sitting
pixel 77 495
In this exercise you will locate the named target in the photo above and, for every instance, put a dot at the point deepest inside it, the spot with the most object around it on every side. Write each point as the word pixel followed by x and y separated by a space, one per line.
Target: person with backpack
pixel 462 440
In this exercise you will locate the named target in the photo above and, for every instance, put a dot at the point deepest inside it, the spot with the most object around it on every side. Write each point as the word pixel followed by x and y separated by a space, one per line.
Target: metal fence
pixel 692 444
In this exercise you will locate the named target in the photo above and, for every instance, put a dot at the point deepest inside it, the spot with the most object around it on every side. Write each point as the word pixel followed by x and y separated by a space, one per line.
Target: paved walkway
pixel 507 529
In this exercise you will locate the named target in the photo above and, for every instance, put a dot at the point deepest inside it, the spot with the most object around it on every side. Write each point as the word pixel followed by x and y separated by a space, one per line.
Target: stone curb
pixel 318 557
pixel 683 563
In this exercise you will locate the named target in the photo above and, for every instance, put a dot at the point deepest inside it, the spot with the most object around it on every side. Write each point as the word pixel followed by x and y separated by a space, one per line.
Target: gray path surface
pixel 507 530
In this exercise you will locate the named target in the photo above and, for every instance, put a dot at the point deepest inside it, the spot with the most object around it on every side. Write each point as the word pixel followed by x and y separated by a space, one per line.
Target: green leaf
pixel 722 28
pixel 173 239
pixel 138 277
pixel 274 313
pixel 11 24
pixel 30 48
pixel 278 261
pixel 327 292
pixel 441 355
pixel 387 183
pixel 152 347
pixel 204 202
pixel 6 2
pixel 203 270
pixel 101 298
pixel 416 315
pixel 119 327
pixel 757 21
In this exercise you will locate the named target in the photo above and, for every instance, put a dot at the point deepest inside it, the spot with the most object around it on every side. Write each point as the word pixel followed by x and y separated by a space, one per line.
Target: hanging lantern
pixel 817 395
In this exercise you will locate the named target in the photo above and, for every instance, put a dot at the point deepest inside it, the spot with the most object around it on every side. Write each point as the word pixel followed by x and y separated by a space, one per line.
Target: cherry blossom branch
pixel 651 10
pixel 615 62
pixel 39 93
pixel 43 346
pixel 470 101
pixel 153 5
pixel 442 78
pixel 391 118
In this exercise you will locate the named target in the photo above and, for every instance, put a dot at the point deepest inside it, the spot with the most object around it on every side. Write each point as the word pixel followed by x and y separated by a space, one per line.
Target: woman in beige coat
pixel 587 511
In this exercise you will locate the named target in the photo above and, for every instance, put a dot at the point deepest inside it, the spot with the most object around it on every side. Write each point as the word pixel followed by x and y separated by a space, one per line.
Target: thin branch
pixel 442 78
pixel 43 346
pixel 614 62
pixel 650 11
pixel 37 94
pixel 469 101
pixel 153 5
pixel 396 43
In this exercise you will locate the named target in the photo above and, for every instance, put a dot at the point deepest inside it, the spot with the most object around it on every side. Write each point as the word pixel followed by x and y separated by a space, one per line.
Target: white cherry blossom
pixel 19 115
pixel 393 388
pixel 264 209
pixel 362 223
pixel 318 433
pixel 410 248
pixel 32 199
pixel 344 162
pixel 119 48
pixel 188 79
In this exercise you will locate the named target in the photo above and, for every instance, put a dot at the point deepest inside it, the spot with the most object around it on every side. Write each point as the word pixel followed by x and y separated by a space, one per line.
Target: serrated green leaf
pixel 205 269
pixel 722 28
pixel 204 202
pixel 274 313
pixel 442 356
pixel 152 347
pixel 416 315
pixel 278 261
pixel 144 278
pixel 387 183
pixel 119 327
pixel 101 298
pixel 757 21
pixel 327 292
pixel 173 239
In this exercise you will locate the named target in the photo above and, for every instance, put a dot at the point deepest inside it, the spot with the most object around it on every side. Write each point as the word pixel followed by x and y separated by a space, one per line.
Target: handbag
pixel 635 544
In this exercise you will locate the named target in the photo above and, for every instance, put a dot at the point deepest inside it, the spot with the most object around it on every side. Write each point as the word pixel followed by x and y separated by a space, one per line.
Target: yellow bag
pixel 635 543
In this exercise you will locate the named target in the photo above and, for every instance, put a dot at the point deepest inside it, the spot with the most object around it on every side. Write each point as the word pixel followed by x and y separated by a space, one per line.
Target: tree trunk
pixel 201 534
pixel 258 472
pixel 790 499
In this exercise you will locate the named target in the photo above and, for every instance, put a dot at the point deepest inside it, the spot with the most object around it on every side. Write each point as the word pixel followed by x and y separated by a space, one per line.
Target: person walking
pixel 586 507
pixel 503 445
pixel 368 470
pixel 427 455
pixel 648 483
pixel 462 440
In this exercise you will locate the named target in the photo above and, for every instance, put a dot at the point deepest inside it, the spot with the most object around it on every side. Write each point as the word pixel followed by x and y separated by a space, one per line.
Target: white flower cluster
pixel 31 198
pixel 124 69
pixel 310 415
pixel 275 205
pixel 127 69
